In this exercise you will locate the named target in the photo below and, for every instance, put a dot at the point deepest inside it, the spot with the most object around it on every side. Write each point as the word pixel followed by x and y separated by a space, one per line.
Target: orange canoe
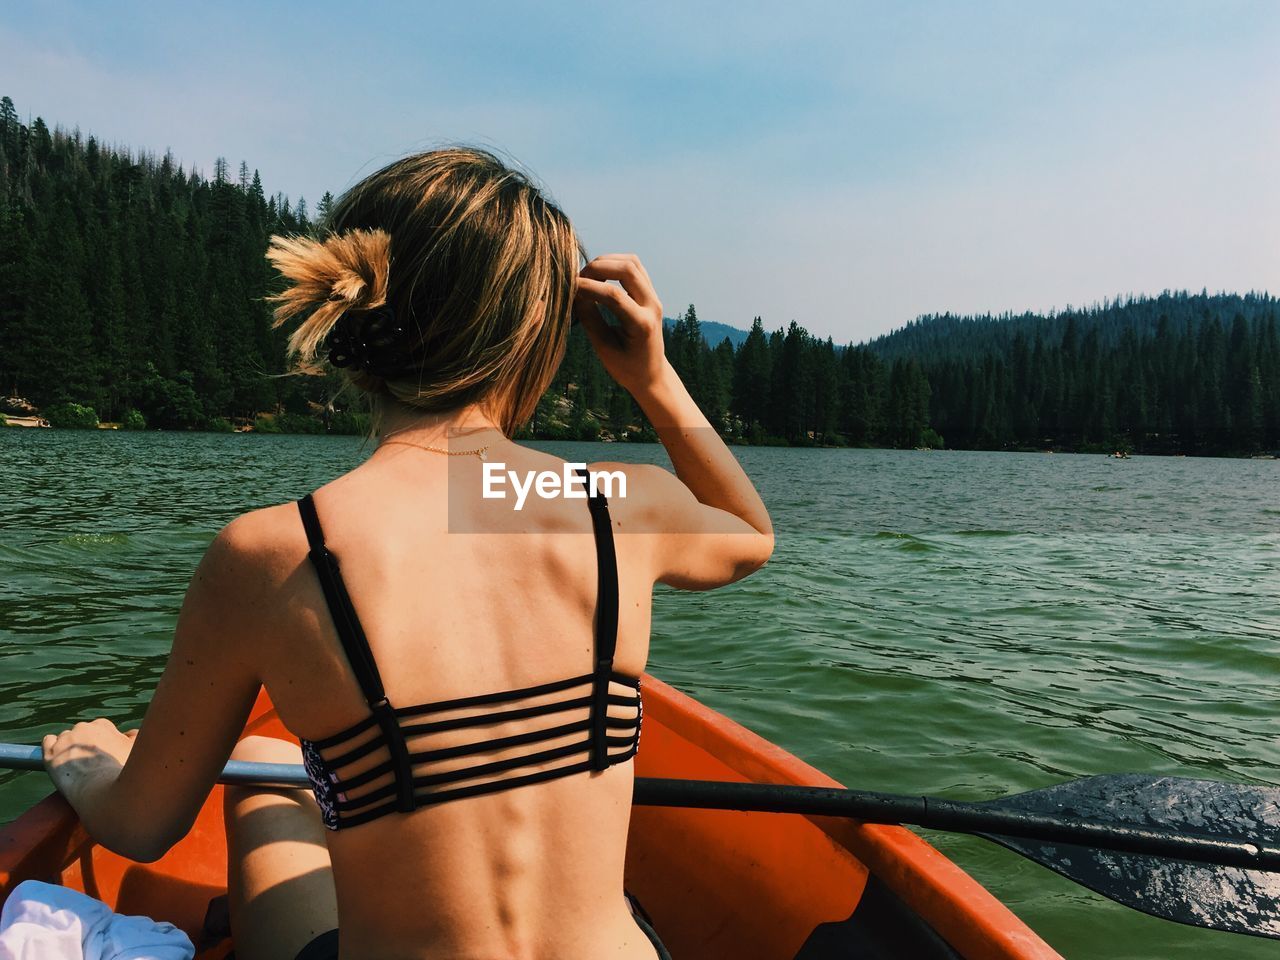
pixel 718 884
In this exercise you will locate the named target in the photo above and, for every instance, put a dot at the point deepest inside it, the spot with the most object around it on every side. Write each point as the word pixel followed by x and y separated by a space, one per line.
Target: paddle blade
pixel 1220 898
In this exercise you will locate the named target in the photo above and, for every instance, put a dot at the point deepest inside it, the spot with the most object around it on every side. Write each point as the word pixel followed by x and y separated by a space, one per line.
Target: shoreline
pixel 37 422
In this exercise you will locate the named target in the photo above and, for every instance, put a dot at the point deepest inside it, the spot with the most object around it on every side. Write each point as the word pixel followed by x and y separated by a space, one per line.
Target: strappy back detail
pixel 395 774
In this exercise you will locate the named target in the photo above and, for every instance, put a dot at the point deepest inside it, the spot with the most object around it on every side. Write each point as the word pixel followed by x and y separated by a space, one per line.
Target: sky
pixel 845 165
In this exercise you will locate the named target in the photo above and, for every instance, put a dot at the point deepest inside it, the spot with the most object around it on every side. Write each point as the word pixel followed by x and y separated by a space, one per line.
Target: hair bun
pixel 331 278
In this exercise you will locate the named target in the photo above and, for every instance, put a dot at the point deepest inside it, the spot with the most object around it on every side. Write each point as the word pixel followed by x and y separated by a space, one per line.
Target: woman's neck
pixel 436 428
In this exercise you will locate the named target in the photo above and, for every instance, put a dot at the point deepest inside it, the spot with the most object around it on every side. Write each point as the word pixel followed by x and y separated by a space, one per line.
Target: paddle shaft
pixel 955 816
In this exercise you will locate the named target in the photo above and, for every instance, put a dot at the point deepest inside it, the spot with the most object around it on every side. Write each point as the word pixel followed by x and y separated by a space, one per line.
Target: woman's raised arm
pixel 716 528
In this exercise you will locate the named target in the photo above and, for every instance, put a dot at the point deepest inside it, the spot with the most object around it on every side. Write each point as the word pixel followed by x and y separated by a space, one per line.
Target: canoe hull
pixel 754 886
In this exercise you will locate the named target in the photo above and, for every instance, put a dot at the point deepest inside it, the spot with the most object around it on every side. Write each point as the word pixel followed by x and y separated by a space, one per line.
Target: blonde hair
pixel 476 265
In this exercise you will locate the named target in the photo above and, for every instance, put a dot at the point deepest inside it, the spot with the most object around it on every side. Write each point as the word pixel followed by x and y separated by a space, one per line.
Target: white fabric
pixel 42 921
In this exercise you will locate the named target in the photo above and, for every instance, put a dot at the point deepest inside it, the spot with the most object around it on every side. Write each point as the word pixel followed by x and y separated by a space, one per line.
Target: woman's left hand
pixel 88 753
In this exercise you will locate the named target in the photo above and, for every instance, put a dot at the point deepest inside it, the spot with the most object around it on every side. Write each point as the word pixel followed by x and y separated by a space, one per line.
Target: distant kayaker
pixel 466 683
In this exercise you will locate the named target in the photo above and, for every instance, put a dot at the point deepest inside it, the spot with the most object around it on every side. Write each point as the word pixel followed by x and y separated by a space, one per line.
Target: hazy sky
pixel 845 165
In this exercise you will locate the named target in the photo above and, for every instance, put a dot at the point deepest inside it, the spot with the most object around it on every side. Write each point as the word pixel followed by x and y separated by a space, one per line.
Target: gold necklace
pixel 478 452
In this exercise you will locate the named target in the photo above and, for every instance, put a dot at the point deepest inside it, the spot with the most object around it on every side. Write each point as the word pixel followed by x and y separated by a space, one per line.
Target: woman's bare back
pixel 451 610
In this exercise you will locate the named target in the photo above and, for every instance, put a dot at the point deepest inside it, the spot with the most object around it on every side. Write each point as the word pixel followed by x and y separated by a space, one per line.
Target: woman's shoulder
pixel 236 588
pixel 262 545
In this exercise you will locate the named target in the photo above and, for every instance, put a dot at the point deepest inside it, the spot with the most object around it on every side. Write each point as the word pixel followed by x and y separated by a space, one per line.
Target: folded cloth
pixel 42 921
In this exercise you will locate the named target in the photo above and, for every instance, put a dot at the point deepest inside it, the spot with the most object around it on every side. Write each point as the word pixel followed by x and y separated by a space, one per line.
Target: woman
pixel 465 683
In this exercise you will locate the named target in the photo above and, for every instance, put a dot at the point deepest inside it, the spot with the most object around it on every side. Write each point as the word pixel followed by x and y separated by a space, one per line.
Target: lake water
pixel 967 624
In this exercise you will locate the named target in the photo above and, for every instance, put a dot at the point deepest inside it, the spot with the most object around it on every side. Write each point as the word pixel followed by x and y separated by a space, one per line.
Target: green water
pixel 967 624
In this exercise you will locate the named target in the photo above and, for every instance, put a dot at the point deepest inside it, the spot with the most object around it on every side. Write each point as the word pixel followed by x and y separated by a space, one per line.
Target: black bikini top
pixel 398 775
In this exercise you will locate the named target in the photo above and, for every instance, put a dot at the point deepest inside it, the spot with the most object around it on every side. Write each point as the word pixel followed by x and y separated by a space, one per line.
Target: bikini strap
pixel 606 637
pixel 350 632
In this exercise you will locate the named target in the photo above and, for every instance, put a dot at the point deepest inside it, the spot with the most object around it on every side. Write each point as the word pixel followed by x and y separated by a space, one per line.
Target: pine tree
pixel 324 210
pixel 751 380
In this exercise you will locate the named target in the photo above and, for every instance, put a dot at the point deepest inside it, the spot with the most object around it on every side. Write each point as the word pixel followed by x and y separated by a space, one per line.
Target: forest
pixel 133 291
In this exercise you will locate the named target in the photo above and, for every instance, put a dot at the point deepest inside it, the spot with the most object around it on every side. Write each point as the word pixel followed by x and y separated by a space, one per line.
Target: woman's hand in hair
pixel 631 351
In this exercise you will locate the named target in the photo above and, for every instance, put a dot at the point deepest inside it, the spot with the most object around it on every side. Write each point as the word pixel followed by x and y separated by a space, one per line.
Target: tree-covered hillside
pixel 136 288
pixel 1195 373
pixel 127 282
pixel 714 332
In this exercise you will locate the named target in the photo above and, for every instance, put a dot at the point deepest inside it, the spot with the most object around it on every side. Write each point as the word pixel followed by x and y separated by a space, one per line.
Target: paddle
pixel 1198 852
